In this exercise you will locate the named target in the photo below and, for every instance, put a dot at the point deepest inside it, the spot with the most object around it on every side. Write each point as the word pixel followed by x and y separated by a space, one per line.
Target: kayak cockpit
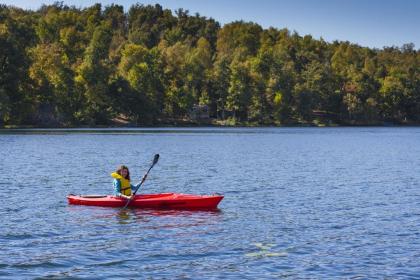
pixel 93 196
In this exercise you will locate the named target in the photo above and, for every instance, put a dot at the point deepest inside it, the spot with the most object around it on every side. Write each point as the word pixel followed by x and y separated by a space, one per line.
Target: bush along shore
pixel 64 66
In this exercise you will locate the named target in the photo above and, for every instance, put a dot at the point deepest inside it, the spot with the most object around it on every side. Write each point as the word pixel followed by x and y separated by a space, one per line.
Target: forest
pixel 63 66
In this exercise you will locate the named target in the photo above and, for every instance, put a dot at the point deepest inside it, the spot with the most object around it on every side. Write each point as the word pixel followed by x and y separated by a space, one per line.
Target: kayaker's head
pixel 124 172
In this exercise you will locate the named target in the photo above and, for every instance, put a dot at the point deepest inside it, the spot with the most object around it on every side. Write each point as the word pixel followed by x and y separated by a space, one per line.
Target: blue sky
pixel 371 23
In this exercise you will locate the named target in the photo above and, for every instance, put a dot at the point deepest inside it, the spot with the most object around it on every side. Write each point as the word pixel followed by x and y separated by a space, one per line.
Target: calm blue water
pixel 302 203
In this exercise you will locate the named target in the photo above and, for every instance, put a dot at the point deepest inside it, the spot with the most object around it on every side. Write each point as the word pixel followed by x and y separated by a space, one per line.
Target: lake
pixel 299 203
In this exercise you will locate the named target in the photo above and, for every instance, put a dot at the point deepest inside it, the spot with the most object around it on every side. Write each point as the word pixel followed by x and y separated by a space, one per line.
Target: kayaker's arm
pixel 133 187
pixel 117 187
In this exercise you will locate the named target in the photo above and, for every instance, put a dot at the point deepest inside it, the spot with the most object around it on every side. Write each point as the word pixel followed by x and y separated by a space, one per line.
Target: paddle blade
pixel 155 159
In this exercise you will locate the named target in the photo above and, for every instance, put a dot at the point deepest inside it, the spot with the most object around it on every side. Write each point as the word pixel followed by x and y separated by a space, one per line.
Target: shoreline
pixel 124 123
pixel 204 125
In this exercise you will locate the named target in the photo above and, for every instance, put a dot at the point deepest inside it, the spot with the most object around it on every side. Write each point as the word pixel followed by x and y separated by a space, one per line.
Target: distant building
pixel 200 112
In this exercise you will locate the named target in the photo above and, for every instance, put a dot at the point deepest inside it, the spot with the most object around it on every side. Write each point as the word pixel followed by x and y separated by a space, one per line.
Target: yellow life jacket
pixel 125 184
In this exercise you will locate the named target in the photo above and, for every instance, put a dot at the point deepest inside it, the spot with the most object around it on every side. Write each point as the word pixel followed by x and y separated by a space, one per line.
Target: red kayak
pixel 156 201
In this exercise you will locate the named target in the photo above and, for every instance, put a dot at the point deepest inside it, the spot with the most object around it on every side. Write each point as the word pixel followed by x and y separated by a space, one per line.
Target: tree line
pixel 66 66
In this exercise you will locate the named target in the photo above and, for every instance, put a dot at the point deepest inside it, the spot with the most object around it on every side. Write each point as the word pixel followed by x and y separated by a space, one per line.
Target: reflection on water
pixel 265 250
pixel 126 216
pixel 123 216
pixel 129 215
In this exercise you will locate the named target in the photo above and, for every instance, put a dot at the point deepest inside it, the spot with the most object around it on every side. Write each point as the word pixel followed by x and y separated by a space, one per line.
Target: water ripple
pixel 300 203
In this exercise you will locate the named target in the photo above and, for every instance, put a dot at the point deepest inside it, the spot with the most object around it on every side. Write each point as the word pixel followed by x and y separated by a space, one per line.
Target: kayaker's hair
pixel 121 168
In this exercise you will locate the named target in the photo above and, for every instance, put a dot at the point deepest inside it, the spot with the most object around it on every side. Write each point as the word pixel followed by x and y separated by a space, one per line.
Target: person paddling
pixel 122 185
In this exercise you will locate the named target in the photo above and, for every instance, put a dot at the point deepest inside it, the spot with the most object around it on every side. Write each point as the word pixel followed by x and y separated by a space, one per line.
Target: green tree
pixel 141 68
pixel 239 92
pixel 148 24
pixel 178 98
pixel 93 76
pixel 53 80
pixel 64 65
pixel 16 34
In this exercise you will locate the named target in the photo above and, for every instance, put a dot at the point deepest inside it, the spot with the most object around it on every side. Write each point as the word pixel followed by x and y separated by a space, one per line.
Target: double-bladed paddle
pixel 155 160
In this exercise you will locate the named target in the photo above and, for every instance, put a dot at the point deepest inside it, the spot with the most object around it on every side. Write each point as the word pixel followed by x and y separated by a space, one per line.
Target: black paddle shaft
pixel 155 160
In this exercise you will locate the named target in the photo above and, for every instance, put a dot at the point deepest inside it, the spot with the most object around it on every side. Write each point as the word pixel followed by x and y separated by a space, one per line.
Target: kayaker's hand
pixel 144 177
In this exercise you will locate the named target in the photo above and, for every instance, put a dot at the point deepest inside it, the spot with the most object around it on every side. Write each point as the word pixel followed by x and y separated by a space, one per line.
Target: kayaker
pixel 122 185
